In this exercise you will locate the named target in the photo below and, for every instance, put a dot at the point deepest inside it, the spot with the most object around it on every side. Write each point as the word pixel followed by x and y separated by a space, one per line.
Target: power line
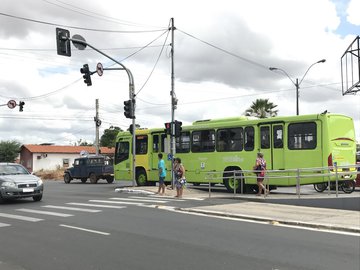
pixel 76 27
pixel 226 51
pixel 97 15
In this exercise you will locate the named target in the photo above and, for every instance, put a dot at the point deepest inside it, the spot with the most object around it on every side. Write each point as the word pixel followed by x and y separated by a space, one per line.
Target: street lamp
pixel 297 83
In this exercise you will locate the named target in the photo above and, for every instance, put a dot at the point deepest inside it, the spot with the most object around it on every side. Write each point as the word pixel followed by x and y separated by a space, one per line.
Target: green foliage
pixel 262 108
pixel 9 151
pixel 109 137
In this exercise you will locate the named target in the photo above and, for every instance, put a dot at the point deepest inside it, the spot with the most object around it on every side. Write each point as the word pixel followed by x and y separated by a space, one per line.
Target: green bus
pixel 221 146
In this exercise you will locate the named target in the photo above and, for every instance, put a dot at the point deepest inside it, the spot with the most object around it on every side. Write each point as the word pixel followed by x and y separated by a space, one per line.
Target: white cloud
pixel 353 12
pixel 209 83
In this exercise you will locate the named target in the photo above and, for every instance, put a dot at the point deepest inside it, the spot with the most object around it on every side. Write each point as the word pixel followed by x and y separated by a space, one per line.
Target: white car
pixel 16 182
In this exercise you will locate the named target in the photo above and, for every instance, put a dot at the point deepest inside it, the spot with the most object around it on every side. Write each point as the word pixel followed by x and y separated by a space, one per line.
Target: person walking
pixel 260 168
pixel 180 179
pixel 162 174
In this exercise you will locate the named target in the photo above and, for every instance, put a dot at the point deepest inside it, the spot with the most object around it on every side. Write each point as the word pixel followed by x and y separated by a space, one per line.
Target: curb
pixel 273 221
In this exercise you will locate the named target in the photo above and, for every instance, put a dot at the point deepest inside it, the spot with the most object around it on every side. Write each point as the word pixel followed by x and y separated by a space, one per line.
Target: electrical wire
pixel 76 27
pixel 97 15
pixel 156 62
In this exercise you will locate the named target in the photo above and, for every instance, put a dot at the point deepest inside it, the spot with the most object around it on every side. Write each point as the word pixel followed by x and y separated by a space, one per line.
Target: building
pixel 50 157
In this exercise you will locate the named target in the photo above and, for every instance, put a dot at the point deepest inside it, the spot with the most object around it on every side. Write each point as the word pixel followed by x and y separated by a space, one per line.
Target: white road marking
pixel 44 212
pixel 162 197
pixel 138 200
pixel 182 199
pixel 72 208
pixel 31 219
pixel 116 202
pixel 97 205
pixel 83 229
pixel 4 225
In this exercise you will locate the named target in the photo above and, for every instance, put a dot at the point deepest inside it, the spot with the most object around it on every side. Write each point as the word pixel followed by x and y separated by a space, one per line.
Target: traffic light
pixel 178 128
pixel 87 76
pixel 21 106
pixel 167 128
pixel 129 108
pixel 63 42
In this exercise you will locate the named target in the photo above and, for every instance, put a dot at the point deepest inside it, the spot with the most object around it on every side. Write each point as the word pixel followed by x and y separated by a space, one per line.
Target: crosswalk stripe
pixel 116 202
pixel 138 200
pixel 44 212
pixel 161 197
pixel 4 225
pixel 176 199
pixel 97 205
pixel 72 208
pixel 31 219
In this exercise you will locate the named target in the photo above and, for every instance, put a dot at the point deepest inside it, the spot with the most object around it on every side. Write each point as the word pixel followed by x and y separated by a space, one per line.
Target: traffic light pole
pixel 131 94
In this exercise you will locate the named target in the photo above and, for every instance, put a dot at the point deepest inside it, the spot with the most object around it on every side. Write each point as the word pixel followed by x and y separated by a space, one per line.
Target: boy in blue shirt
pixel 162 174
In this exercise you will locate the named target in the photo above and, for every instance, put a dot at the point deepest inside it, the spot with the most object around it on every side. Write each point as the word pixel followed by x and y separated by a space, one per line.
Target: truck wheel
pixel 93 178
pixel 67 178
pixel 110 179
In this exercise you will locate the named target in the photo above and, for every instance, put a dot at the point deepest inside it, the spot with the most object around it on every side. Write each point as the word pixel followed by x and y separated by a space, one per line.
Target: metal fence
pixel 330 172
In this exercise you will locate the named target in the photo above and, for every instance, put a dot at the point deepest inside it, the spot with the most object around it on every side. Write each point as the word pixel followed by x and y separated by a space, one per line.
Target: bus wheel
pixel 348 186
pixel 141 179
pixel 320 187
pixel 231 183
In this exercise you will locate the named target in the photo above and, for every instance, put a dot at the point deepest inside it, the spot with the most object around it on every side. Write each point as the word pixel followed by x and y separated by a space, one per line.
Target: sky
pixel 222 54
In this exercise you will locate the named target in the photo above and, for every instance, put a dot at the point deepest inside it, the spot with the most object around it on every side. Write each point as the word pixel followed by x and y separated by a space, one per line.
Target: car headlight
pixel 39 182
pixel 8 184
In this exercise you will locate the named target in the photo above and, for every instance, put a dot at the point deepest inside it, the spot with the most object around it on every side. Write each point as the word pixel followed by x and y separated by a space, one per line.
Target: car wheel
pixel 93 178
pixel 67 178
pixel 37 198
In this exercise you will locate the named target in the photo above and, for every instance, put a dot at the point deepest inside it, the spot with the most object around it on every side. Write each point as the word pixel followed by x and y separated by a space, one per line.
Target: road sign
pixel 99 69
pixel 169 157
pixel 11 104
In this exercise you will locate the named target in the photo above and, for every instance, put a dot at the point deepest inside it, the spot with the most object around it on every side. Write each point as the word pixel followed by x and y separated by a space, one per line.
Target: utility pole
pixel 173 105
pixel 96 119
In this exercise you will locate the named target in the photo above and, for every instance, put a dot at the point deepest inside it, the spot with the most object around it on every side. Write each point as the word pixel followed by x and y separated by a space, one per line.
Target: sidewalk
pixel 258 209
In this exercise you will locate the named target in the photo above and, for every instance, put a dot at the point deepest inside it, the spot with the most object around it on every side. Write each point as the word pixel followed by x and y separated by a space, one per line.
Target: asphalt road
pixel 84 226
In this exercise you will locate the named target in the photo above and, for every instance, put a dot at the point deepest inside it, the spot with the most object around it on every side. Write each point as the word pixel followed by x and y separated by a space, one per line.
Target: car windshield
pixel 8 169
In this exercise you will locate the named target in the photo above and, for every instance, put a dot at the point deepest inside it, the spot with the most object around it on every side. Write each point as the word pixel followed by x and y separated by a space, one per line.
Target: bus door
pixel 158 146
pixel 272 145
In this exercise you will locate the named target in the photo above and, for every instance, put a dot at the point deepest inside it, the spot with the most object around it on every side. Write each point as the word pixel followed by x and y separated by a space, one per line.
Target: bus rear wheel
pixel 234 183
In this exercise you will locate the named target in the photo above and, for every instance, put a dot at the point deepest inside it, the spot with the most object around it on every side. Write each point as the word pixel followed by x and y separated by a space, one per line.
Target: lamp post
pixel 297 83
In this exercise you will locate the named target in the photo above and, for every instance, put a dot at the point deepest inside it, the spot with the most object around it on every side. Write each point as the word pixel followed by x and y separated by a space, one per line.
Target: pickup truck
pixel 90 167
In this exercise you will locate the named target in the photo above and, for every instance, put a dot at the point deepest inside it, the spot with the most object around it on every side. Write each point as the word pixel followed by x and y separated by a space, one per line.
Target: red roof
pixel 35 148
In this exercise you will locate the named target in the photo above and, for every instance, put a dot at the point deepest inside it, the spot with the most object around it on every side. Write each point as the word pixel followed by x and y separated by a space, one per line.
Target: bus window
pixel 155 143
pixel 302 136
pixel 203 141
pixel 141 145
pixel 265 137
pixel 183 143
pixel 249 139
pixel 121 152
pixel 229 139
pixel 278 137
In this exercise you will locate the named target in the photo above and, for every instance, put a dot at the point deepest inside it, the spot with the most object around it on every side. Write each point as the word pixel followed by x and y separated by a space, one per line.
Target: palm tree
pixel 262 108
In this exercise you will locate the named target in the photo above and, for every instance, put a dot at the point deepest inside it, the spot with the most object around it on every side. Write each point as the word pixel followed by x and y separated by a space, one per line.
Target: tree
pixel 109 137
pixel 9 151
pixel 262 108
